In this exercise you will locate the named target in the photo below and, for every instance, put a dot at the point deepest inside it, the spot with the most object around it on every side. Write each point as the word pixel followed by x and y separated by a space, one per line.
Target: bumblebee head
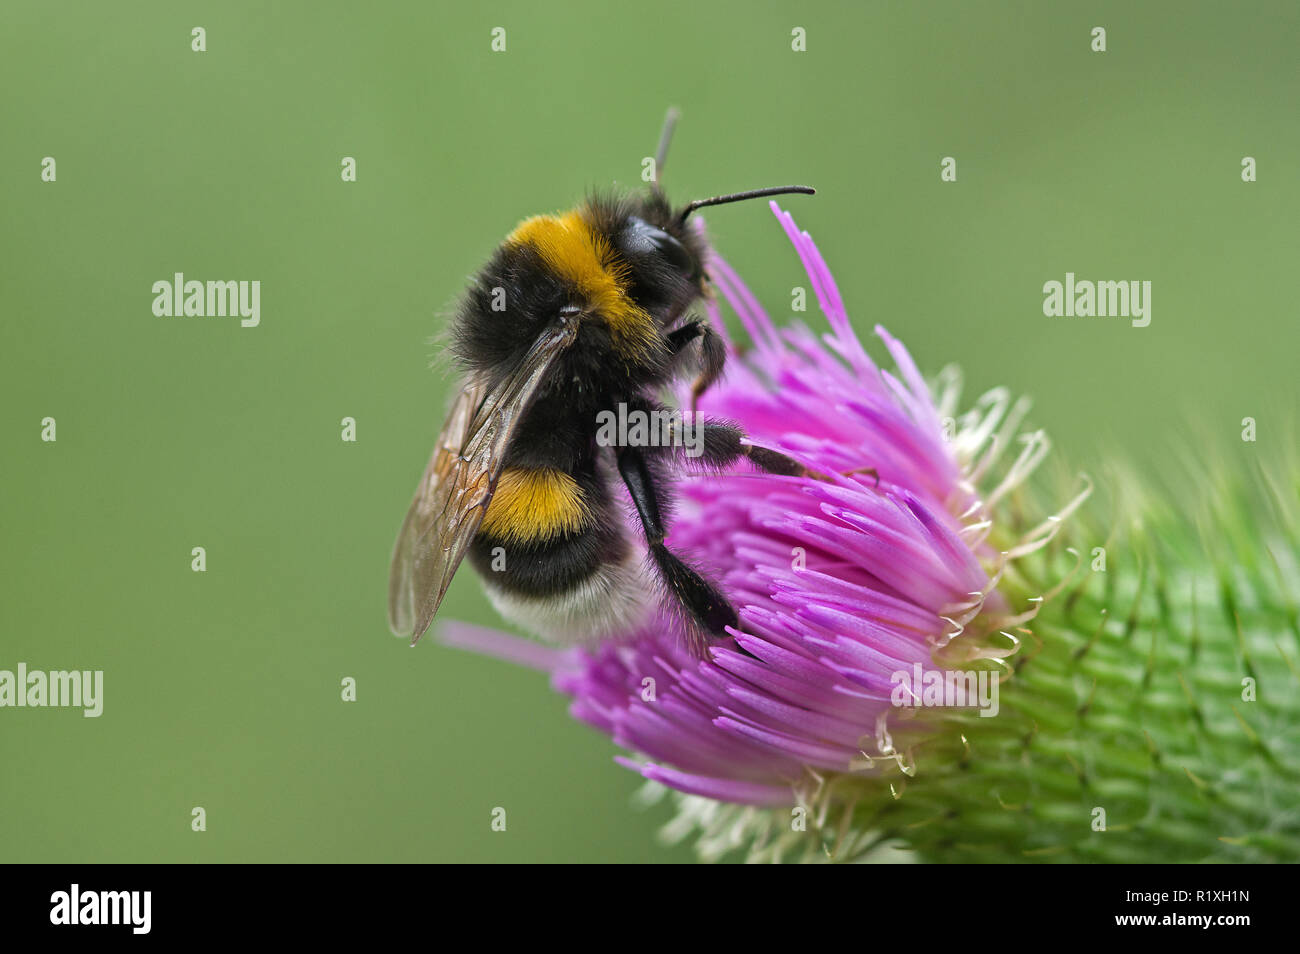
pixel 614 268
pixel 621 270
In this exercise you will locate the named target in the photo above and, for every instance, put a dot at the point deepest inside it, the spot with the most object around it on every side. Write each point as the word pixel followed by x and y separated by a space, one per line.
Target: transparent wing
pixel 457 486
pixel 423 559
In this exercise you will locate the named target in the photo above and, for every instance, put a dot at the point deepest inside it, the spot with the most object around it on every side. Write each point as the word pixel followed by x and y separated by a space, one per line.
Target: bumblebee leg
pixel 713 355
pixel 679 339
pixel 713 358
pixel 723 444
pixel 705 606
pixel 863 470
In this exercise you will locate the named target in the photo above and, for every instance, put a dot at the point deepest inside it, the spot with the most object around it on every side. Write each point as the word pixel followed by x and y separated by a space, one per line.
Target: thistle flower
pixel 791 738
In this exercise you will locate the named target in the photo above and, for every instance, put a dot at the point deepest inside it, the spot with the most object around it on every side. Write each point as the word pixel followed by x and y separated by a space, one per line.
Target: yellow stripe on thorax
pixel 534 505
pixel 582 257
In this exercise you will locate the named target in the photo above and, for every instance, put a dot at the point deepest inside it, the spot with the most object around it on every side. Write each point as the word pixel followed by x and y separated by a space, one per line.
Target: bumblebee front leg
pixel 703 603
pixel 713 354
pixel 721 444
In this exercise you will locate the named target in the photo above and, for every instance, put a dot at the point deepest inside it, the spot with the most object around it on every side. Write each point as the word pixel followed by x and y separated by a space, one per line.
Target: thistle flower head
pixel 888 566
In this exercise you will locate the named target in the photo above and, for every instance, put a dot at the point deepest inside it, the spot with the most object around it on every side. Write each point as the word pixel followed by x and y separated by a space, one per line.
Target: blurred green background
pixel 222 689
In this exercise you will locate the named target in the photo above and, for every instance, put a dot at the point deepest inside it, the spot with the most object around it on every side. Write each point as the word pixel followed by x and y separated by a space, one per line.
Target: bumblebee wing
pixel 419 557
pixel 457 486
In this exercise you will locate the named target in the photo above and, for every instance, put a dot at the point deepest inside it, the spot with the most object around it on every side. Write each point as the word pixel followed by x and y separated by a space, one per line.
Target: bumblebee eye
pixel 570 311
pixel 642 238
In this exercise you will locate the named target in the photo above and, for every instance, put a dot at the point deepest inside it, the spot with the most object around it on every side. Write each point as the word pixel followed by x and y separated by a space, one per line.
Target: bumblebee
pixel 574 315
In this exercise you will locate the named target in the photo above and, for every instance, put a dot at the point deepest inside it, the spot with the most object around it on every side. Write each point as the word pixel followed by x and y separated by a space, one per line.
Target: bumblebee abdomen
pixel 546 530
pixel 556 558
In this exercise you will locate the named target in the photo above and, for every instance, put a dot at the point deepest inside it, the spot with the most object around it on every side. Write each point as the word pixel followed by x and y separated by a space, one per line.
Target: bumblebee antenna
pixel 665 138
pixel 741 196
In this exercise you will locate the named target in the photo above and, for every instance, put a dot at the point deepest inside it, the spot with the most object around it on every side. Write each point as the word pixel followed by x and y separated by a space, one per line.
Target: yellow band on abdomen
pixel 534 505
